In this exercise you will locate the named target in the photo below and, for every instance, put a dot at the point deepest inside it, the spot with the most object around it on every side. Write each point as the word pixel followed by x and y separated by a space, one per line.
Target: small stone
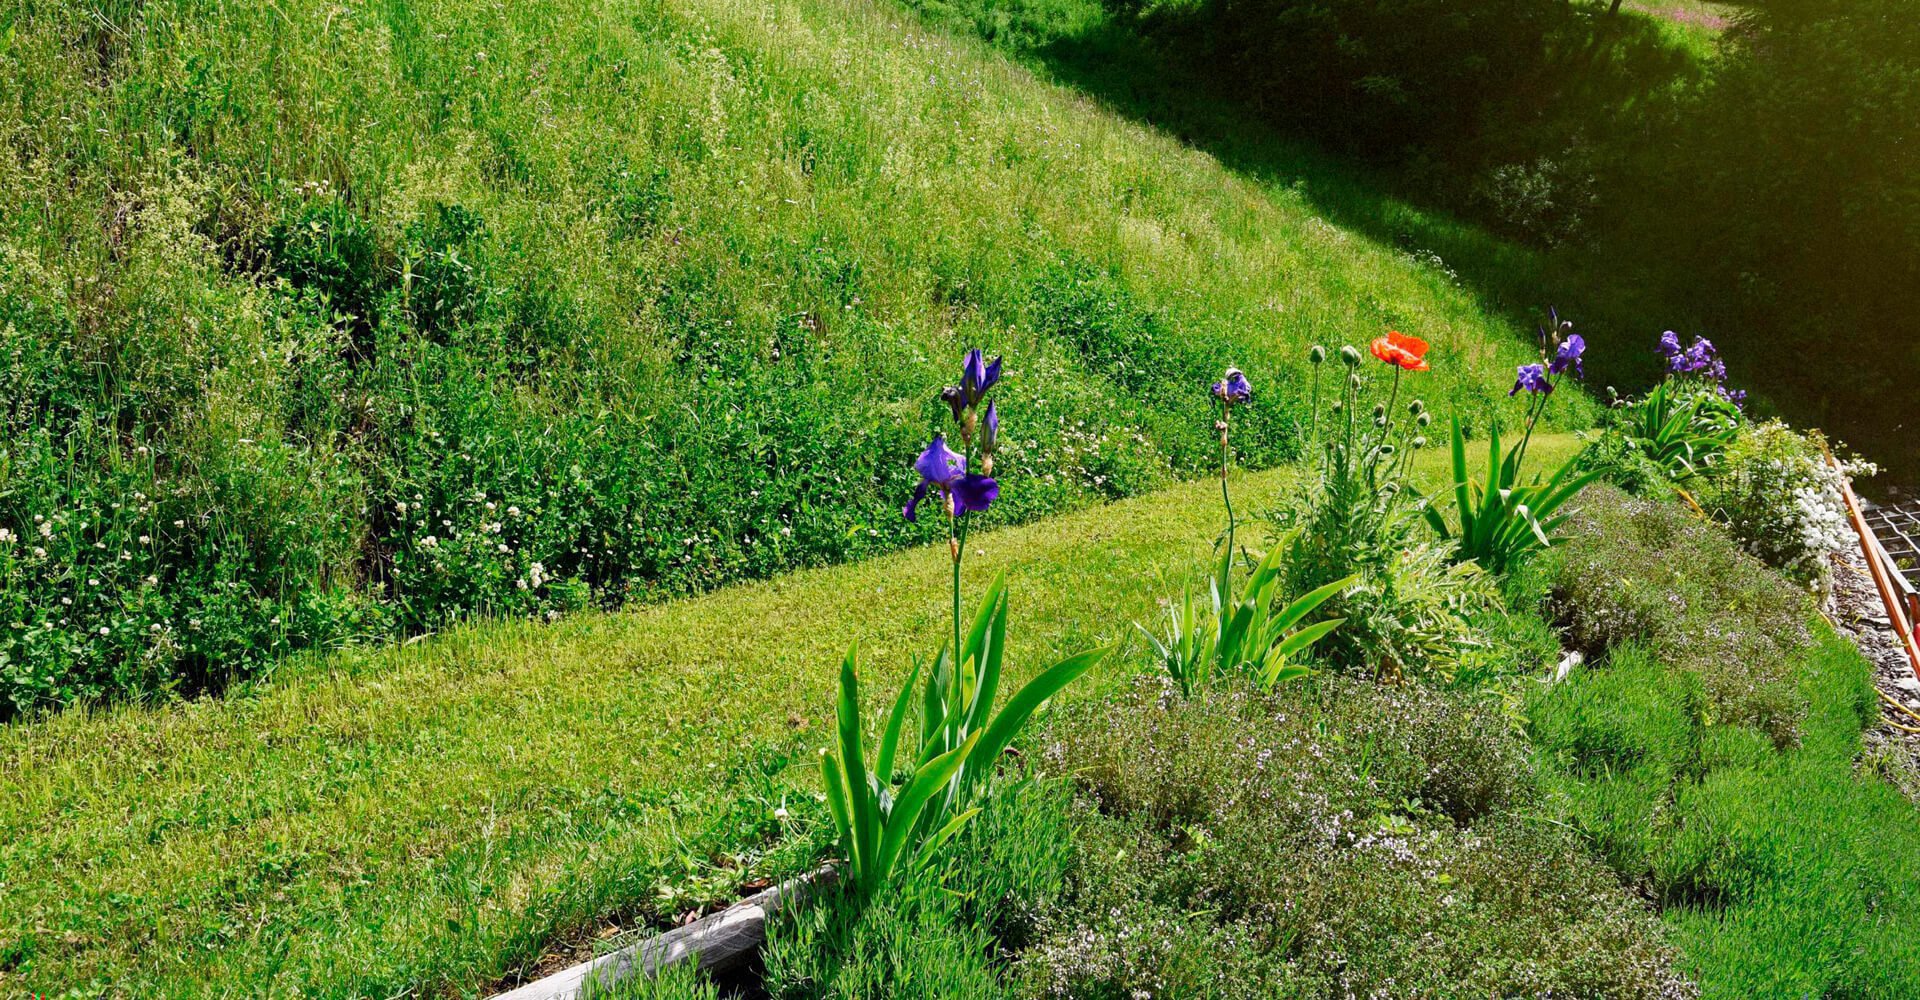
pixel 1908 684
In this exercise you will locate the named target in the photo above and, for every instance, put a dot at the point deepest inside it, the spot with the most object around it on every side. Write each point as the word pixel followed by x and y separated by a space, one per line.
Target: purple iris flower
pixel 1696 359
pixel 977 375
pixel 1670 345
pixel 1567 355
pixel 1234 388
pixel 940 468
pixel 1532 378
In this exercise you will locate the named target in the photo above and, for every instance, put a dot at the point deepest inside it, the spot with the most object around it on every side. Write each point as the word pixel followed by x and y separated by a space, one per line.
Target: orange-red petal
pixel 1412 345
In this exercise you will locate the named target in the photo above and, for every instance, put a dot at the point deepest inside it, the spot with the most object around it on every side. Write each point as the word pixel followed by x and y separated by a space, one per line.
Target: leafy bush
pixel 1776 867
pixel 1338 838
pixel 1645 571
pixel 1777 496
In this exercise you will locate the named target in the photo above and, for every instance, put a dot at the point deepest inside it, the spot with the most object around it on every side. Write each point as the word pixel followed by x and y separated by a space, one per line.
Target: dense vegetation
pixel 320 325
pixel 325 324
pixel 1622 145
pixel 1631 826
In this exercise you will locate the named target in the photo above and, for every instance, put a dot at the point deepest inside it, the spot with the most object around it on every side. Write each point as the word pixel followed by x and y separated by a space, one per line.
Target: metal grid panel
pixel 1898 527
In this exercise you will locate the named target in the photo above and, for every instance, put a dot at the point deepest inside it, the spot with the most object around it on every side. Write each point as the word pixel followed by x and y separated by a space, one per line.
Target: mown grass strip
pixel 435 813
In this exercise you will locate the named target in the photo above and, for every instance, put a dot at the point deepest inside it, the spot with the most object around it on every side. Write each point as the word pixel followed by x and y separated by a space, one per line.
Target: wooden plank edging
pixel 716 941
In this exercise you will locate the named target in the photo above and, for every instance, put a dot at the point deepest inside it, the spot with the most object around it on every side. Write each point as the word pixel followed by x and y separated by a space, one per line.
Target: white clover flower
pixel 7 537
pixel 429 542
pixel 39 553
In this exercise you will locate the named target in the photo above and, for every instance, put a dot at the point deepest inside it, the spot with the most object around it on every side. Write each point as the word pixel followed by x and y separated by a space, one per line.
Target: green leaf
pixel 896 720
pixel 913 800
pixel 1023 704
pixel 1306 603
pixel 835 784
pixel 863 811
pixel 933 844
pixel 1307 636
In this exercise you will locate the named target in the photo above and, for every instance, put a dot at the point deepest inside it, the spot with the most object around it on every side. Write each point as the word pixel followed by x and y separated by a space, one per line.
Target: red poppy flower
pixel 1397 348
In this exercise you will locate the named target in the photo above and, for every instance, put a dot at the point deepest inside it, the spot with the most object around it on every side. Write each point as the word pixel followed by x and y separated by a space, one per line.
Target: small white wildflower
pixel 429 542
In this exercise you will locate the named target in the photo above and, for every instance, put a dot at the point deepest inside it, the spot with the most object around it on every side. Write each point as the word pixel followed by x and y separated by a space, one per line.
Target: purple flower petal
pixel 1567 355
pixel 919 494
pixel 973 371
pixel 939 465
pixel 1531 378
pixel 974 492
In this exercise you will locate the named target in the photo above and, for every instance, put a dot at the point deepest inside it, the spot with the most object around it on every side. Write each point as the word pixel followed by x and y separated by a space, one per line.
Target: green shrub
pixel 1645 571
pixel 1776 495
pixel 1339 837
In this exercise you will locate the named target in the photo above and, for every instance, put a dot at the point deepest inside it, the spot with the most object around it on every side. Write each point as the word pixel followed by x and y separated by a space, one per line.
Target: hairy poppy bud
pixel 1351 355
pixel 1317 355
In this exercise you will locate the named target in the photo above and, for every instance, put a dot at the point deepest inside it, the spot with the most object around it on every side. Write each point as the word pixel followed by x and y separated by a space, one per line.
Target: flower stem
pixel 1226 459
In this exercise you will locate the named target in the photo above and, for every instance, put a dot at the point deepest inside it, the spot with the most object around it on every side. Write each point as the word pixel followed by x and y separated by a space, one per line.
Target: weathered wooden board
pixel 717 941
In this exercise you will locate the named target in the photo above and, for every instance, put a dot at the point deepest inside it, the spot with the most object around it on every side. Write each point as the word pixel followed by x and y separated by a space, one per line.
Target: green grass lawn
pixel 678 280
pixel 425 817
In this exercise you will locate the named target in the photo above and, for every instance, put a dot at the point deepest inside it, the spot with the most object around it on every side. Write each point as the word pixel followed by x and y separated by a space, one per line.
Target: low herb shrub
pixel 1642 570
pixel 1777 862
pixel 1336 838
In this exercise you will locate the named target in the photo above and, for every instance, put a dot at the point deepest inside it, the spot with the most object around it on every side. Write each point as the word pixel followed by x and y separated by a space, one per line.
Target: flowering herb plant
pixel 883 823
pixel 1499 522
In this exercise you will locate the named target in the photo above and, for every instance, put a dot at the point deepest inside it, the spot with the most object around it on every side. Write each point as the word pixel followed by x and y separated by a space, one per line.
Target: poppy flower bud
pixel 1317 355
pixel 1423 419
pixel 1419 442
pixel 1416 407
pixel 1386 449
pixel 1379 411
pixel 1350 355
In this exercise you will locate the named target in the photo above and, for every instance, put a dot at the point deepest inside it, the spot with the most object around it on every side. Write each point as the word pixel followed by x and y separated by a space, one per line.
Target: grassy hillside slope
pixel 323 323
pixel 430 815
